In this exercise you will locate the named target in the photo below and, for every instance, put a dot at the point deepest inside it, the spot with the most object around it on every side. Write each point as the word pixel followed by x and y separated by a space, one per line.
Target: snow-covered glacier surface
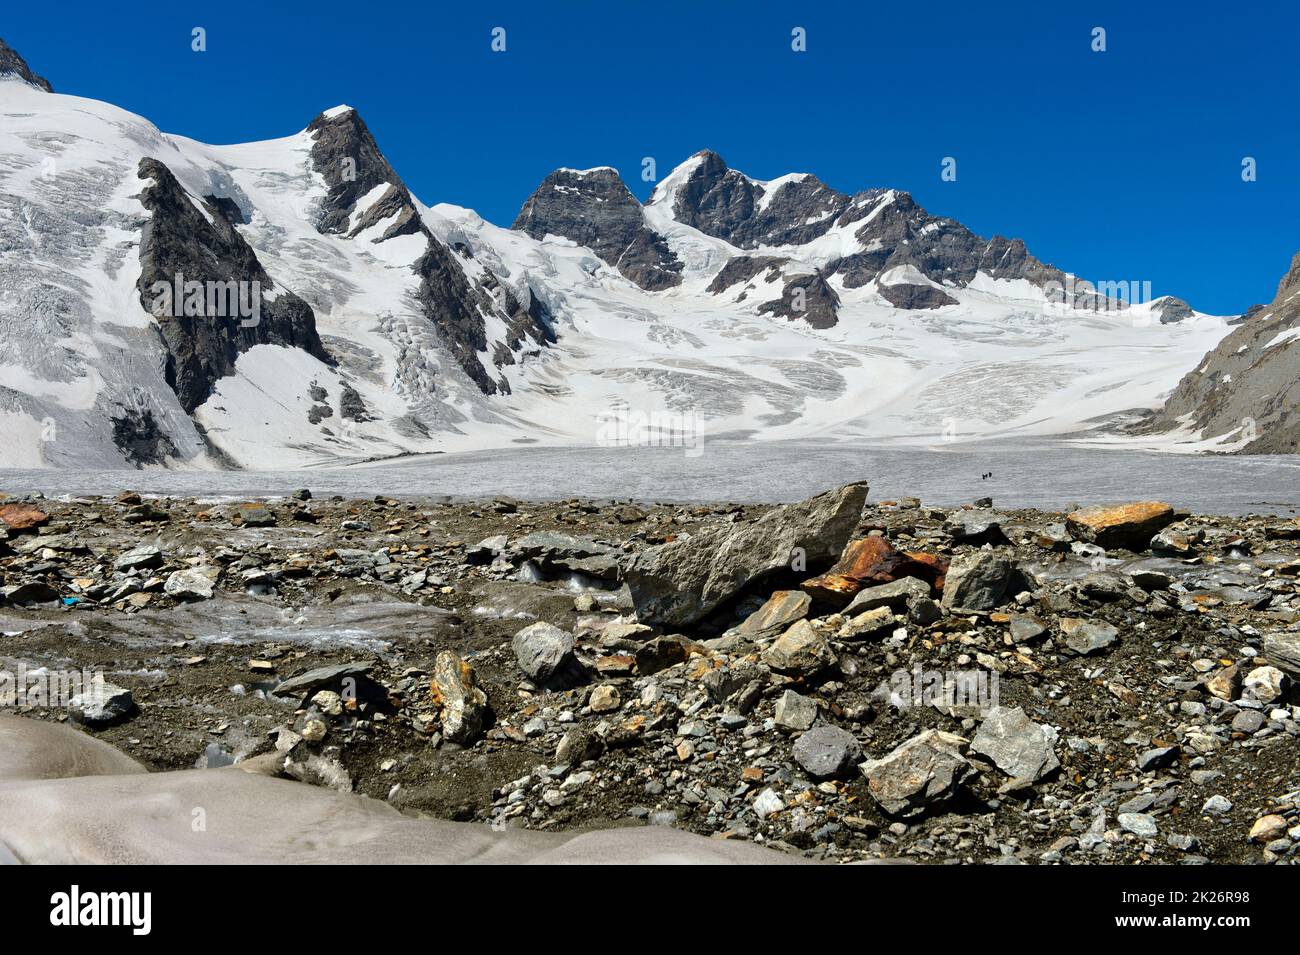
pixel 1025 473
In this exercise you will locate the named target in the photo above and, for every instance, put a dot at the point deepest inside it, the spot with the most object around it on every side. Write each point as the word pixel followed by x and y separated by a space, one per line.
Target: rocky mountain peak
pixel 365 191
pixel 593 207
pixel 12 64
pixel 346 154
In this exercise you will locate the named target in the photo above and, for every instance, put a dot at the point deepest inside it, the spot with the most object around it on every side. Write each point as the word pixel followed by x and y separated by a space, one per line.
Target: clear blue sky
pixel 1117 165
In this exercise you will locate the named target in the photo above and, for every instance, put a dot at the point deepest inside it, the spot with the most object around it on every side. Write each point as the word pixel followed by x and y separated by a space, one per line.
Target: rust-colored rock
pixel 1121 525
pixel 23 517
pixel 782 609
pixel 867 561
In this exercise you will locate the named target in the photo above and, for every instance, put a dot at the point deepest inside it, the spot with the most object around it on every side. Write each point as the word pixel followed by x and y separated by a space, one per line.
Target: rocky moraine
pixel 841 679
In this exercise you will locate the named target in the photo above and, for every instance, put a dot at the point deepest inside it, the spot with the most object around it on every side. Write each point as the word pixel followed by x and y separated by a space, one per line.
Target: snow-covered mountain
pixel 371 324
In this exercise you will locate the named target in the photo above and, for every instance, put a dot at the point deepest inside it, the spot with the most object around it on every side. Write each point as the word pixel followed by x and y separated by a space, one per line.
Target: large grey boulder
pixel 680 583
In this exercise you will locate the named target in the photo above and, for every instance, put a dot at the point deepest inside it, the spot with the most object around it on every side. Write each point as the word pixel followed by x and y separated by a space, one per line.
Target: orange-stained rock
pixel 868 561
pixel 1121 525
pixel 23 517
pixel 782 609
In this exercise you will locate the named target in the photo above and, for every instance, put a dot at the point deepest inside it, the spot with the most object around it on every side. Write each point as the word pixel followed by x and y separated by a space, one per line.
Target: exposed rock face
pixel 11 64
pixel 744 268
pixel 906 295
pixel 681 582
pixel 594 208
pixel 1247 390
pixel 722 202
pixel 894 231
pixel 804 294
pixel 807 296
pixel 179 240
pixel 1172 310
pixel 348 158
pixel 140 437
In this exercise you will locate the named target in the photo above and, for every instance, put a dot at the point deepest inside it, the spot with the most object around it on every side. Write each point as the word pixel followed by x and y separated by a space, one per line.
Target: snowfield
pixel 80 349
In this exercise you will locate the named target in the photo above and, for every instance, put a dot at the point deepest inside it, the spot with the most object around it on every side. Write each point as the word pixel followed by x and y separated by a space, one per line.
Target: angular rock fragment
pixel 555 553
pixel 1225 684
pixel 974 526
pixel 1264 684
pixel 661 653
pixel 872 560
pixel 254 515
pixel 23 517
pixel 1024 628
pixel 464 707
pixel 827 751
pixel 1086 637
pixel 800 650
pixel 781 609
pixel 29 593
pixel 579 745
pixel 870 624
pixel 1157 758
pixel 895 594
pixel 681 582
pixel 919 775
pixel 101 704
pixel 144 557
pixel 322 678
pixel 604 699
pixel 196 583
pixel 977 581
pixel 1017 745
pixel 795 711
pixel 1120 525
pixel 1283 650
